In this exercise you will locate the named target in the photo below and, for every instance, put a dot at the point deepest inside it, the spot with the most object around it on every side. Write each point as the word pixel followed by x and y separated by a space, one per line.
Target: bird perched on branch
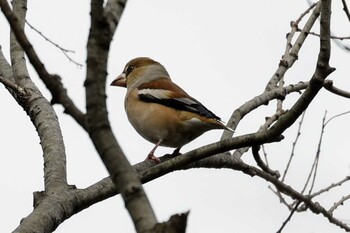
pixel 159 110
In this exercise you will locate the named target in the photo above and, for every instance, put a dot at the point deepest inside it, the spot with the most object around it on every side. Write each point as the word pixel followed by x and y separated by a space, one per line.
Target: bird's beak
pixel 120 81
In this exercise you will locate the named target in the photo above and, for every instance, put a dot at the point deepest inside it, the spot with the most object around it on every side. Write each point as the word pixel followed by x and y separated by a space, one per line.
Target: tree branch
pixel 258 101
pixel 289 217
pixel 346 9
pixel 22 93
pixel 346 179
pixel 261 164
pixel 63 50
pixel 103 24
pixel 52 82
pixel 293 147
pixel 339 203
pixel 335 90
pixel 289 58
pixel 39 110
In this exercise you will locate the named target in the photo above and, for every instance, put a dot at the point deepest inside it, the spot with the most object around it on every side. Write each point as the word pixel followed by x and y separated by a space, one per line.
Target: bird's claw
pixel 153 157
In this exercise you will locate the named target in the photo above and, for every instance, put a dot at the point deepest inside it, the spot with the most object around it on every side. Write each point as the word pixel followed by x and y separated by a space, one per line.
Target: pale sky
pixel 222 54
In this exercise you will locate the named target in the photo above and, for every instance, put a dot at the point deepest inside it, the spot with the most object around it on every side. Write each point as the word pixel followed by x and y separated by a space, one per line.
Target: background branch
pixel 63 50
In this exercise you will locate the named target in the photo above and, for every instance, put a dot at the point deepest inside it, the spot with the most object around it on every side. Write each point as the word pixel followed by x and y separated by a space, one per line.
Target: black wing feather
pixel 186 104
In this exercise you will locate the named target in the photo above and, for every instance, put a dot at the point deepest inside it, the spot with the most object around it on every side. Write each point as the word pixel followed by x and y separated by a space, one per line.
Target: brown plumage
pixel 161 111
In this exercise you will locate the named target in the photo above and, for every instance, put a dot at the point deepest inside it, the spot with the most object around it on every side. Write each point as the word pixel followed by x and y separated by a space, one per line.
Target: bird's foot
pixel 153 157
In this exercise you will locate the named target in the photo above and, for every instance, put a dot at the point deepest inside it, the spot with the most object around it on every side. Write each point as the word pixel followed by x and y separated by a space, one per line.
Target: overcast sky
pixel 222 53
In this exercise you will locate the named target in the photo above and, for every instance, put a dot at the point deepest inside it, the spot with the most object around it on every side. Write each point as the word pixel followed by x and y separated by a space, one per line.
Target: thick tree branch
pixel 103 24
pixel 39 110
pixel 44 218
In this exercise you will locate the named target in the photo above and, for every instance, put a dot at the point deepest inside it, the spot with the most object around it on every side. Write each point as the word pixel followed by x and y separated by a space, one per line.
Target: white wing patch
pixel 194 122
pixel 156 93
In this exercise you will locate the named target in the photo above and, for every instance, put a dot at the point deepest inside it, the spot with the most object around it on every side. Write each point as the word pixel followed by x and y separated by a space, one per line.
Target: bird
pixel 161 111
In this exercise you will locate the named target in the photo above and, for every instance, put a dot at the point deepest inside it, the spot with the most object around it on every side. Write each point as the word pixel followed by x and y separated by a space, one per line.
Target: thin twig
pixel 328 85
pixel 293 147
pixel 298 20
pixel 339 203
pixel 268 122
pixel 346 9
pixel 279 195
pixel 315 163
pixel 317 157
pixel 292 51
pixel 13 86
pixel 261 164
pixel 265 155
pixel 330 187
pixel 289 217
pixel 336 39
pixel 332 36
pixel 341 45
pixel 63 50
pixel 333 117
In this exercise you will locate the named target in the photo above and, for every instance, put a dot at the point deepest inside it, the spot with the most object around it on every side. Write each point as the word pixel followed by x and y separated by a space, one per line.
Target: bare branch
pixel 317 157
pixel 289 217
pixel 289 58
pixel 346 9
pixel 19 90
pixel 298 20
pixel 280 197
pixel 339 203
pixel 336 116
pixel 52 82
pixel 63 50
pixel 316 83
pixel 265 155
pixel 55 176
pixel 253 104
pixel 293 147
pixel 103 24
pixel 346 179
pixel 332 36
pixel 261 164
pixel 258 101
pixel 330 87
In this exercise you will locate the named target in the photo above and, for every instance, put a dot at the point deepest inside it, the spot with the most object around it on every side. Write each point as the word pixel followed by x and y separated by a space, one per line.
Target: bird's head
pixel 138 71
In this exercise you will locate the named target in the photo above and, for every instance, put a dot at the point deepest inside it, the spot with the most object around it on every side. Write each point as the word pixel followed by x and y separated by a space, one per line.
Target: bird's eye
pixel 129 69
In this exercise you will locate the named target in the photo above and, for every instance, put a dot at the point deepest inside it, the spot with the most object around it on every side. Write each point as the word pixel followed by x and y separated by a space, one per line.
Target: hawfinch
pixel 159 110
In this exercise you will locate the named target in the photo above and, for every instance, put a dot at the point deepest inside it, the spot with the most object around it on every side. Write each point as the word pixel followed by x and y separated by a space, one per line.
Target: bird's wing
pixel 167 93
